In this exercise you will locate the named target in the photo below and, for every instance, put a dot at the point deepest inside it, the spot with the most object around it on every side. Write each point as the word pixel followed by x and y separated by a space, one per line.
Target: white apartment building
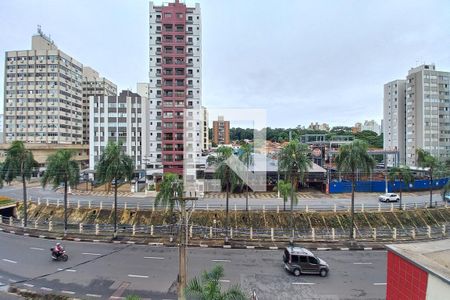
pixel 175 114
pixel 93 85
pixel 42 94
pixel 119 119
pixel 394 118
pixel 371 125
pixel 417 114
pixel 1 129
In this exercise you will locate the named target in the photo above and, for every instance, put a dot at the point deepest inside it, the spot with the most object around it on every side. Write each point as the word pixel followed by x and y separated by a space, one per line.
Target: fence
pixel 213 232
pixel 204 205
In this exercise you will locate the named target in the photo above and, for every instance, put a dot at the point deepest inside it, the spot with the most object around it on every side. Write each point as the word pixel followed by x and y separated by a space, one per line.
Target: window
pixel 312 260
pixel 303 259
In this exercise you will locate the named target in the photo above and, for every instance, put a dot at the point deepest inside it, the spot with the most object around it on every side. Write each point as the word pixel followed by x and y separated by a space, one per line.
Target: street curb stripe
pixel 68 292
pixel 137 276
pixel 323 249
pixel 227 246
pixel 42 236
pixel 28 285
pixel 10 261
pixel 344 249
pixel 250 247
pixel 131 242
pixel 367 248
pixel 203 246
pixel 46 289
pixel 379 283
pixel 303 283
pixel 273 248
pixel 94 295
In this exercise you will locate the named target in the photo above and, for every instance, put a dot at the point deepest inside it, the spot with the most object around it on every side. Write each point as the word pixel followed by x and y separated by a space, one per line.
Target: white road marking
pixel 28 285
pixel 94 295
pixel 39 249
pixel 224 280
pixel 137 276
pixel 68 292
pixel 221 260
pixel 46 289
pixel 344 249
pixel 153 257
pixel 93 254
pixel 10 261
pixel 68 270
pixel 11 280
pixel 362 263
pixel 379 283
pixel 303 283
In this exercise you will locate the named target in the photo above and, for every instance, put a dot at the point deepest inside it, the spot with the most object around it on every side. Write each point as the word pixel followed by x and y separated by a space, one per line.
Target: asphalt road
pixel 307 199
pixel 99 271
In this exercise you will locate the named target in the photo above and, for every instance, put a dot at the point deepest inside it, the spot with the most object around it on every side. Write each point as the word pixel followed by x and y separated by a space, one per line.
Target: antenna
pixel 39 30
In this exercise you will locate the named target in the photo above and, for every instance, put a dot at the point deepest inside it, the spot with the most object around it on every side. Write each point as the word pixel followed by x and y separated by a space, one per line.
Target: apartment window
pixel 167 15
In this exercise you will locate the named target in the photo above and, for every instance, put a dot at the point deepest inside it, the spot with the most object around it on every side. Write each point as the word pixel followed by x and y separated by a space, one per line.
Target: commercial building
pixel 417 114
pixel 221 131
pixel 120 119
pixel 418 271
pixel 43 94
pixel 175 119
pixel 93 85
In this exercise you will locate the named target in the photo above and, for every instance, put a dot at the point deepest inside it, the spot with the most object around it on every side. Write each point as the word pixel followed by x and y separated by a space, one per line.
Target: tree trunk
pixel 431 188
pixel 182 253
pixel 226 211
pixel 25 202
pixel 115 209
pixel 65 207
pixel 284 202
pixel 292 210
pixel 352 224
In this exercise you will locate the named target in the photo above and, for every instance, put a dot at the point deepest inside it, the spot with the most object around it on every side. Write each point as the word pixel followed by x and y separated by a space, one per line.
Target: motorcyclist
pixel 58 250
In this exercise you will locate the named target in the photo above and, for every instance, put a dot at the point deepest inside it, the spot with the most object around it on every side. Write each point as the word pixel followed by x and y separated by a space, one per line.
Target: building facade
pixel 394 118
pixel 221 131
pixel 93 85
pixel 1 129
pixel 43 95
pixel 205 129
pixel 120 119
pixel 371 125
pixel 174 88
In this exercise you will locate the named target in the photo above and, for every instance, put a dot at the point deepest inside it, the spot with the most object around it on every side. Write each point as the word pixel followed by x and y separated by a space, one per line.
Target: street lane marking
pixel 224 280
pixel 137 276
pixel 367 248
pixel 68 270
pixel 39 249
pixel 221 260
pixel 153 257
pixel 68 292
pixel 93 254
pixel 362 263
pixel 303 283
pixel 379 283
pixel 10 261
pixel 46 289
pixel 28 285
pixel 94 295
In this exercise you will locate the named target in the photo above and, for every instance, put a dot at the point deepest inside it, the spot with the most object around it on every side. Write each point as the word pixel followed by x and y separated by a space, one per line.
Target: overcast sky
pixel 303 61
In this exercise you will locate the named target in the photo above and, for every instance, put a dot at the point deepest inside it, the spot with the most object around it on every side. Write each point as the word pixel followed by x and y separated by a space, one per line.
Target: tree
pixel 294 161
pixel 285 189
pixel 62 168
pixel 427 161
pixel 208 287
pixel 404 174
pixel 114 166
pixel 351 158
pixel 227 176
pixel 19 162
pixel 246 156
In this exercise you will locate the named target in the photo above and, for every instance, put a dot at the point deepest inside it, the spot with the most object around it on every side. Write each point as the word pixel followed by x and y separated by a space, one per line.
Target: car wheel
pixel 297 272
pixel 323 272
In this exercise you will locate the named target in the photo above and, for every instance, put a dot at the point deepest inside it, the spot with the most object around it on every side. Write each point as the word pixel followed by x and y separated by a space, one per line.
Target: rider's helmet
pixel 58 244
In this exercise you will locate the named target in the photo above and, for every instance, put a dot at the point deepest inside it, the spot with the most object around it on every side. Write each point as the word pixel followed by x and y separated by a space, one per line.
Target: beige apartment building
pixel 43 95
pixel 394 118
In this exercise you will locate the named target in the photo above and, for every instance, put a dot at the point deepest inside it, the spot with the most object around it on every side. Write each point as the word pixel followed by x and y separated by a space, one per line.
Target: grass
pixel 4 201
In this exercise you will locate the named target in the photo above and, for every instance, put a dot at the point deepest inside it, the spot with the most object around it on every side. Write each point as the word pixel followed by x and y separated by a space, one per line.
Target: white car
pixel 389 198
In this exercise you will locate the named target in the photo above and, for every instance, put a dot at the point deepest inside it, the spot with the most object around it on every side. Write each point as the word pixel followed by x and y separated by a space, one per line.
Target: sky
pixel 302 61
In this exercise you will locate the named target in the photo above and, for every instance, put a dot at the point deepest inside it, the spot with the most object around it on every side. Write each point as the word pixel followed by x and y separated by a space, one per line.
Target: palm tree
pixel 62 168
pixel 114 166
pixel 227 176
pixel 404 174
pixel 294 161
pixel 351 158
pixel 19 162
pixel 427 161
pixel 285 189
pixel 246 156
pixel 208 287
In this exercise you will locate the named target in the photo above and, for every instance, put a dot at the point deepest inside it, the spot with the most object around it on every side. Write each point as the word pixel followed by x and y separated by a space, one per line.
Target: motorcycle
pixel 63 256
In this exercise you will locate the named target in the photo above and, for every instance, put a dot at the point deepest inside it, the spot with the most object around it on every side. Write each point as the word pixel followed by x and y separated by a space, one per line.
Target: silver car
pixel 302 261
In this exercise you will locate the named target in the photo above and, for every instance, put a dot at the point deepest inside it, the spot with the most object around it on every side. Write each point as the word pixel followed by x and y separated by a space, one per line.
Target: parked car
pixel 389 198
pixel 299 260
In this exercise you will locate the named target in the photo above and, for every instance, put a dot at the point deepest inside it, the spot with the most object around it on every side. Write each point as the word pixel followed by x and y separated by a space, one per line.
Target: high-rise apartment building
pixel 371 125
pixel 43 94
pixel 221 131
pixel 427 112
pixel 394 118
pixel 174 88
pixel 119 119
pixel 417 114
pixel 93 85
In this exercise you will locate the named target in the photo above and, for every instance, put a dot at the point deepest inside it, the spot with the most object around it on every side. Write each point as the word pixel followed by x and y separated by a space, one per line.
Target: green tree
pixel 62 168
pixel 351 158
pixel 208 287
pixel 114 166
pixel 246 156
pixel 427 161
pixel 285 190
pixel 294 161
pixel 19 162
pixel 227 176
pixel 404 174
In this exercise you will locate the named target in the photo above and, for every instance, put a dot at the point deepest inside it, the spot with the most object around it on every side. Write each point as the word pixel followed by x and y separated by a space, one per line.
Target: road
pixel 311 199
pixel 99 271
